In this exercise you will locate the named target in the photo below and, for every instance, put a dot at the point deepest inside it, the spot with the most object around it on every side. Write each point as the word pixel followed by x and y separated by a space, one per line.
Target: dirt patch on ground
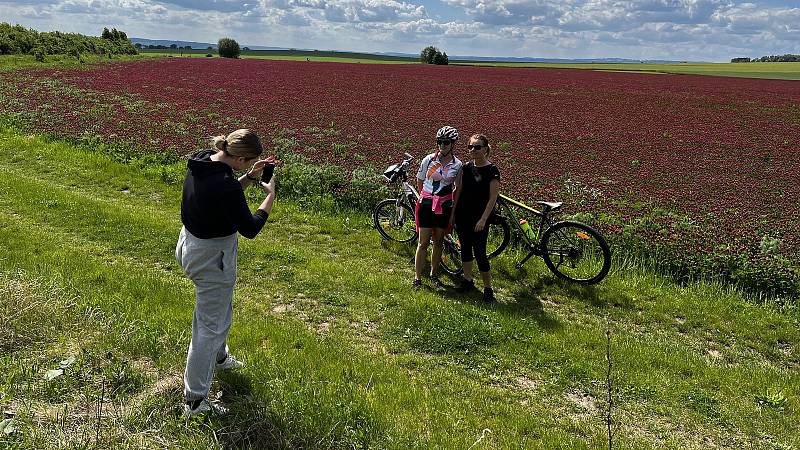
pixel 582 400
pixel 283 308
pixel 528 383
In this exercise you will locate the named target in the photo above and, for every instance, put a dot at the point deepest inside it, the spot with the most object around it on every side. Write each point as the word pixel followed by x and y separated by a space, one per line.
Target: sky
pixel 692 30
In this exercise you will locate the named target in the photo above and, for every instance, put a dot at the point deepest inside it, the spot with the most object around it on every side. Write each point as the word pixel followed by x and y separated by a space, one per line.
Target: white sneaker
pixel 204 407
pixel 230 363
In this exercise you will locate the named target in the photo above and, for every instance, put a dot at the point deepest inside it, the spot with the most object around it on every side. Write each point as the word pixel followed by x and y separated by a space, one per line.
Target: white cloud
pixel 675 29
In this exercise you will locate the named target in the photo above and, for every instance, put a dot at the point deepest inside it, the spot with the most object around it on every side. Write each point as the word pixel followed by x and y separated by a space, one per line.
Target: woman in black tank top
pixel 477 187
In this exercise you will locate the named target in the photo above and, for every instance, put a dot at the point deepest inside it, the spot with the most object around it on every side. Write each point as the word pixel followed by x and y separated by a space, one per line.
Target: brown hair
pixel 242 142
pixel 484 139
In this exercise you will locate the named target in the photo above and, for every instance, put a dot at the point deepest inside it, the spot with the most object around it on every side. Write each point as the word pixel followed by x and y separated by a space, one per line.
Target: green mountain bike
pixel 571 250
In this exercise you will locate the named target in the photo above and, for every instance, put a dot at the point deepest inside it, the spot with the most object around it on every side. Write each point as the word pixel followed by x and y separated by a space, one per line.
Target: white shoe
pixel 204 407
pixel 230 363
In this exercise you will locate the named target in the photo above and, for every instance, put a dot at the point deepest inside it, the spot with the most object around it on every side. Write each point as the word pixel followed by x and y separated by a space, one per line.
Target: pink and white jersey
pixel 437 176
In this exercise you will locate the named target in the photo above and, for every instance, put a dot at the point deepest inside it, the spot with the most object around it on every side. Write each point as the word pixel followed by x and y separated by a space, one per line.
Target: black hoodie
pixel 213 202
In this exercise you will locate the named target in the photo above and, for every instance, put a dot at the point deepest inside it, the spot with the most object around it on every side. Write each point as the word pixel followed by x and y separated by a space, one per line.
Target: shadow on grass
pixel 249 423
pixel 597 295
pixel 527 302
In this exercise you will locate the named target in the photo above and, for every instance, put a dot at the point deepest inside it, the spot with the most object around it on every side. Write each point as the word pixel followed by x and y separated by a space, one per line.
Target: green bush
pixel 327 184
pixel 228 48
pixel 38 54
pixel 20 40
pixel 760 270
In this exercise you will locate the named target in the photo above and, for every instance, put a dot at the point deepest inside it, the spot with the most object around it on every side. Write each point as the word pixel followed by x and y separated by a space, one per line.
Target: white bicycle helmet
pixel 447 132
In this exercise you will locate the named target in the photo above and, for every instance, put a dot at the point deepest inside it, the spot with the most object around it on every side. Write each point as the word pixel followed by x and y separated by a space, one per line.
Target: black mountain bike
pixel 394 219
pixel 571 250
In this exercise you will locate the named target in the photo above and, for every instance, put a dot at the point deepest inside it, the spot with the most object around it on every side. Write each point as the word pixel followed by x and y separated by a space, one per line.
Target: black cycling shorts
pixel 426 218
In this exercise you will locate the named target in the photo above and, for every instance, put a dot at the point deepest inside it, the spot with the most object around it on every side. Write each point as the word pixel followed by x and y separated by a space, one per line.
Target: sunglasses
pixel 443 142
pixel 476 146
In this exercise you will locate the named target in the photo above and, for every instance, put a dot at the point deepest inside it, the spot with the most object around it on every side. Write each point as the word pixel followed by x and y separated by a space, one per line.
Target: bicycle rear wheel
pixel 451 255
pixel 576 252
pixel 394 221
pixel 499 237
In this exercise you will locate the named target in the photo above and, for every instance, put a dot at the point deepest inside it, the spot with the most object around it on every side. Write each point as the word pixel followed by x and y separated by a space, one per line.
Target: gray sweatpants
pixel 211 265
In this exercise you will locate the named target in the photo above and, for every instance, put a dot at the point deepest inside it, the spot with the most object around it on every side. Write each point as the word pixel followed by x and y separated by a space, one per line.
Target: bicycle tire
pixel 499 231
pixel 569 241
pixel 388 216
pixel 451 255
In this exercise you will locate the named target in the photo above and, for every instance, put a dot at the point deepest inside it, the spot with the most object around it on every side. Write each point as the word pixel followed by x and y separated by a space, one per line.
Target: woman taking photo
pixel 435 178
pixel 214 212
pixel 477 187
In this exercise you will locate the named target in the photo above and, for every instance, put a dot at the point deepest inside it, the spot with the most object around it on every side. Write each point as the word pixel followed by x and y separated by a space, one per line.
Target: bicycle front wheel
pixel 451 255
pixel 394 221
pixel 576 252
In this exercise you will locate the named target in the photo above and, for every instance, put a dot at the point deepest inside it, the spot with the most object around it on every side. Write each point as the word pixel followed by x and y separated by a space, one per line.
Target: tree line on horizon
pixel 18 40
pixel 772 58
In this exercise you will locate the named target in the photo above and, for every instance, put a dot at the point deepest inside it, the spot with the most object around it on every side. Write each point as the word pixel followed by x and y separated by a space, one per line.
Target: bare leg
pixel 468 271
pixel 436 256
pixel 422 251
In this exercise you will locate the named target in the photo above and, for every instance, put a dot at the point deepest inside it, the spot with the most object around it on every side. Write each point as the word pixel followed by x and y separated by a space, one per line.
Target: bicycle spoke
pixel 574 253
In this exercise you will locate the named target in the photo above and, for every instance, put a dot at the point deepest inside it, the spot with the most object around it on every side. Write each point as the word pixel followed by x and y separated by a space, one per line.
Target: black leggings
pixel 473 242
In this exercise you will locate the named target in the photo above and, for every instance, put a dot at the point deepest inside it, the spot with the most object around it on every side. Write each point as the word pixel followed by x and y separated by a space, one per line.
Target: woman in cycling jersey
pixel 477 187
pixel 435 178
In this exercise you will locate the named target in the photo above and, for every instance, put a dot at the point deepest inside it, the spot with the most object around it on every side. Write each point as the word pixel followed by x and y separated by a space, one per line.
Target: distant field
pixel 780 71
pixel 293 55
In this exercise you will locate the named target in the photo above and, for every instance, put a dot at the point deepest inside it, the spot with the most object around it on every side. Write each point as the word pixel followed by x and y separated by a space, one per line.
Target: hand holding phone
pixel 266 174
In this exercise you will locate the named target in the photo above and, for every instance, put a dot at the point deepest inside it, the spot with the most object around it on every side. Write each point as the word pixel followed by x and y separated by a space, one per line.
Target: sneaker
pixel 436 283
pixel 488 295
pixel 230 363
pixel 198 407
pixel 466 286
pixel 416 285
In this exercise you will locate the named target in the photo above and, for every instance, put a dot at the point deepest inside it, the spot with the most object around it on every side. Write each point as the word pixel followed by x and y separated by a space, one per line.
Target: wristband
pixel 247 175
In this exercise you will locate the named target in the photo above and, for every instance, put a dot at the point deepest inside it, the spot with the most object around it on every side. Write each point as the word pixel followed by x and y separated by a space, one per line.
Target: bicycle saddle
pixel 550 206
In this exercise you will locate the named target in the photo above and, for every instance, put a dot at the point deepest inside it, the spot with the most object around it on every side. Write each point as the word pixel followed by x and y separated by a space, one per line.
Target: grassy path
pixel 340 352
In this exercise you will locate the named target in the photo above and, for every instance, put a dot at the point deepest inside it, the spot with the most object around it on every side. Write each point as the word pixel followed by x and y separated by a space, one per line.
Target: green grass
pixel 16 62
pixel 340 351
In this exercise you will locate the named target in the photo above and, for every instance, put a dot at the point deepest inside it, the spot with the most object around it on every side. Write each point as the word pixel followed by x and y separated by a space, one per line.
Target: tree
pixel 106 34
pixel 432 55
pixel 427 55
pixel 228 48
pixel 173 46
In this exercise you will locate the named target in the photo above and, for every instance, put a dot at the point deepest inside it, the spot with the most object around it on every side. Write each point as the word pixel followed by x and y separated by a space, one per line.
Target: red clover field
pixel 697 173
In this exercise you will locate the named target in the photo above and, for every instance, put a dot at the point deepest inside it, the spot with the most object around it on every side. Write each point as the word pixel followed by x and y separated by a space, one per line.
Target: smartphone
pixel 266 175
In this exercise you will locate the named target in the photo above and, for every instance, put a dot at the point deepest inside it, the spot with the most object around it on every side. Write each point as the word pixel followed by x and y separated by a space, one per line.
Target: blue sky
pixel 702 30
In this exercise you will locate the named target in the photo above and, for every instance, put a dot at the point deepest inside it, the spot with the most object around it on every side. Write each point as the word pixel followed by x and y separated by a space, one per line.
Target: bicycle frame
pixel 410 193
pixel 534 247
